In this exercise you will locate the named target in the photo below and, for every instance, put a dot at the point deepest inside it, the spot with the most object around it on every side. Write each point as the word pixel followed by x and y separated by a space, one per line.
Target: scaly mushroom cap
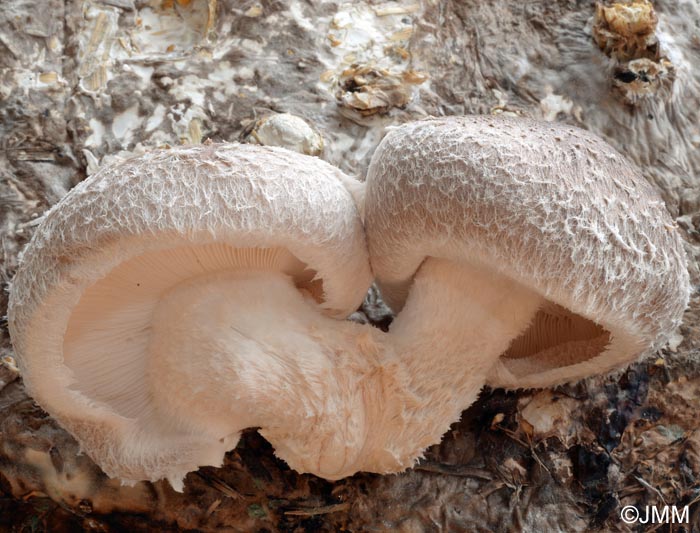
pixel 90 279
pixel 548 205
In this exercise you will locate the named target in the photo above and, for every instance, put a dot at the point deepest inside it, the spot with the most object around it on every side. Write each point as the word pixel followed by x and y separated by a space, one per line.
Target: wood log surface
pixel 85 82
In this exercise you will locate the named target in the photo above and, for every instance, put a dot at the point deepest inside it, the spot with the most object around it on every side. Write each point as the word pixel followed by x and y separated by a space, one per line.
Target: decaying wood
pixel 87 81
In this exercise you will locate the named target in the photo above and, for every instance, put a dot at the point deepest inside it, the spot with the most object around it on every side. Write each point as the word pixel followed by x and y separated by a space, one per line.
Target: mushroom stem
pixel 247 349
pixel 456 323
pixel 332 397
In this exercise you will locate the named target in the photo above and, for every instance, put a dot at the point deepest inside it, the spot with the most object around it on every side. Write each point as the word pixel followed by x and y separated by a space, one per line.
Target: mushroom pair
pixel 177 298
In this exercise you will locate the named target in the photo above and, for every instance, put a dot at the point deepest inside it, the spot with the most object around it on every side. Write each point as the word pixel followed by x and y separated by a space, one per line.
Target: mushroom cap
pixel 102 257
pixel 548 205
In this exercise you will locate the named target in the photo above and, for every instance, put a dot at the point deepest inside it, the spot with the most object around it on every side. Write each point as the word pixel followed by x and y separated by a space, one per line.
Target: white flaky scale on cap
pixel 172 300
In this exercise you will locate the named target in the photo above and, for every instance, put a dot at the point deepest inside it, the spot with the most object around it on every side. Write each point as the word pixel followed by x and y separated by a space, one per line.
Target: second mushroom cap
pixel 549 206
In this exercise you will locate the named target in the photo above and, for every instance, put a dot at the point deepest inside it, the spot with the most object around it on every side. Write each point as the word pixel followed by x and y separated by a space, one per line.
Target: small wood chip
pixel 455 470
pixel 315 511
